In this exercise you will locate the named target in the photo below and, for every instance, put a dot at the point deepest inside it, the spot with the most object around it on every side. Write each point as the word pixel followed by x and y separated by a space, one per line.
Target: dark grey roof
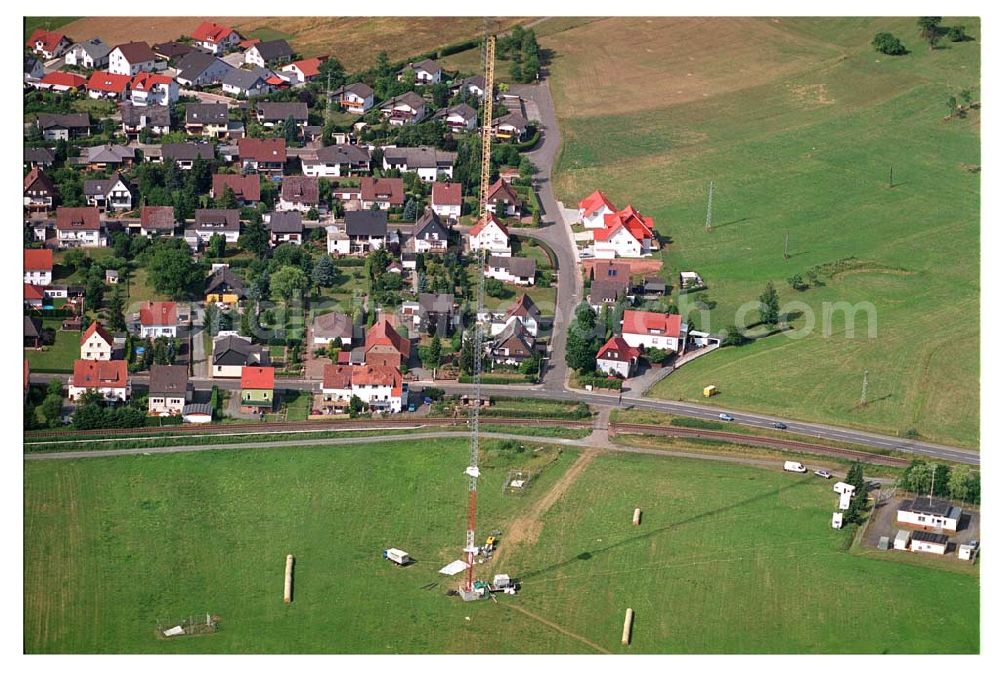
pixel 332 325
pixel 168 379
pixel 172 50
pixel 103 186
pixel 519 266
pixel 155 115
pixel 244 79
pixel 285 222
pixel 436 303
pixel 514 119
pixel 231 351
pixel 654 283
pixel 477 80
pixel 463 109
pixel 188 151
pixel 411 99
pixel 39 155
pixel 427 224
pixel 68 120
pixel 29 63
pixel 225 280
pixel 928 536
pixel 604 291
pixel 419 156
pixel 194 63
pixel 429 65
pixel 209 218
pixel 359 88
pixel 94 47
pixel 273 50
pixel 343 154
pixel 206 113
pixel 514 330
pixel 366 223
pixel 32 327
pixel 278 111
pixel 927 506
pixel 200 408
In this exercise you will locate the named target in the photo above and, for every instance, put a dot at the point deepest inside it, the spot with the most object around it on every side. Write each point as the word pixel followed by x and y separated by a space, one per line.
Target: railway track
pixel 757 440
pixel 294 426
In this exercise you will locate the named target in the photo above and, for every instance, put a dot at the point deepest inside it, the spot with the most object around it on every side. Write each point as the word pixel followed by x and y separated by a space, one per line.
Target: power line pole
pixel 786 244
pixel 329 99
pixel 708 216
pixel 890 176
pixel 864 390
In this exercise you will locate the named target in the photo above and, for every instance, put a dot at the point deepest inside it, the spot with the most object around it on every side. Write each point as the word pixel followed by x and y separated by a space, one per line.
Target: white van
pixel 794 466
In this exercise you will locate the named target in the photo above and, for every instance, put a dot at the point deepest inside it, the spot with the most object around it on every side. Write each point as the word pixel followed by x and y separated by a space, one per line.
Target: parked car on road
pixel 779 425
pixel 726 417
pixel 825 474
pixel 794 466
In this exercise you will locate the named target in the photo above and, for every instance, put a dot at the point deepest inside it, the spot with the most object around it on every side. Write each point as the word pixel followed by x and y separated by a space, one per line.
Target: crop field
pixel 799 138
pixel 355 41
pixel 727 558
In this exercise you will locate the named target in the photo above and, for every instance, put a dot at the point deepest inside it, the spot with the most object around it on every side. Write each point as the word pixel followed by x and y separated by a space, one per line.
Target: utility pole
pixel 786 244
pixel 864 390
pixel 329 99
pixel 890 176
pixel 708 216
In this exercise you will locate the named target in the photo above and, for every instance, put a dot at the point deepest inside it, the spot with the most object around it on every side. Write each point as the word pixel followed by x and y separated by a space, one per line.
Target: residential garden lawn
pixel 799 140
pixel 727 558
pixel 139 289
pixel 296 404
pixel 60 355
pixel 100 108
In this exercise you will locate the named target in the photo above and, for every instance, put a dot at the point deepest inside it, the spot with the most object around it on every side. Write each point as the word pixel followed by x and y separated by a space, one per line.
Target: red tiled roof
pixel 78 218
pixel 248 43
pixel 63 79
pixel 449 194
pixel 33 292
pixel 100 374
pixel 157 217
pixel 478 228
pixel 594 202
pixel 309 67
pixel 145 81
pixel 501 190
pixel 616 344
pixel 49 39
pixel 373 188
pixel 384 334
pixel 158 314
pixel 275 81
pixel 38 259
pixel 211 32
pixel 638 225
pixel 103 81
pixel 263 150
pixel 378 375
pixel 245 186
pixel 336 377
pixel 96 328
pixel 646 323
pixel 257 377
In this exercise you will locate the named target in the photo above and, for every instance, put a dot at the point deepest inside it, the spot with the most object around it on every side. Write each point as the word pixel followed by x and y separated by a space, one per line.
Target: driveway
pixel 208 97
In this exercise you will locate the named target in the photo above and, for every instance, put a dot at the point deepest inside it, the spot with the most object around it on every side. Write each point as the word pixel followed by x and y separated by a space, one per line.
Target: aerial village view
pixel 503 335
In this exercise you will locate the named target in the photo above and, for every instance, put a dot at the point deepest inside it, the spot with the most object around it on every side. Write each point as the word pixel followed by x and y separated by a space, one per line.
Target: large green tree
pixel 287 281
pixel 254 236
pixel 172 269
pixel 769 305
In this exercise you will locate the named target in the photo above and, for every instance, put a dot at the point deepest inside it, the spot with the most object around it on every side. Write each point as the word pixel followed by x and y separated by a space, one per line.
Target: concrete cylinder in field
pixel 627 629
pixel 288 579
pixel 636 517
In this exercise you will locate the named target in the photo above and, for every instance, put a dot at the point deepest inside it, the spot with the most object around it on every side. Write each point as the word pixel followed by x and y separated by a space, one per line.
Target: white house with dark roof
pixel 111 194
pixel 339 160
pixel 200 69
pixel 357 98
pixel 269 53
pixel 428 162
pixel 243 82
pixel 91 53
pixel 519 270
pixel 285 227
pixel 459 118
pixel 405 109
pixel 425 72
pixel 132 58
pixel 208 222
pixel 429 235
pixel 929 513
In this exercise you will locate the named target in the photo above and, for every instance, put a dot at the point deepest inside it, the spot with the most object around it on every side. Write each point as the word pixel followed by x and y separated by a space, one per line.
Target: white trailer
pixel 794 466
pixel 396 556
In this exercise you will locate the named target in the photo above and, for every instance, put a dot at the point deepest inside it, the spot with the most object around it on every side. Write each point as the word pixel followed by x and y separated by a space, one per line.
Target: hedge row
pixel 601 382
pixel 530 143
pixel 487 379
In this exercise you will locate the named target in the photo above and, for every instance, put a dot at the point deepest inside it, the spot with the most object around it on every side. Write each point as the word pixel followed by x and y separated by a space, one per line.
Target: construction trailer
pixel 397 556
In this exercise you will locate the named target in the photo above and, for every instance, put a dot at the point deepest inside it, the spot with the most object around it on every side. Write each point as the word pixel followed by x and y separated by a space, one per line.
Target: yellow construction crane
pixel 484 176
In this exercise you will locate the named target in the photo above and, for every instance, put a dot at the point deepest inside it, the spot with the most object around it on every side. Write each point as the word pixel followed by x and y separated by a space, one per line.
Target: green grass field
pixel 49 23
pixel 60 355
pixel 727 558
pixel 798 140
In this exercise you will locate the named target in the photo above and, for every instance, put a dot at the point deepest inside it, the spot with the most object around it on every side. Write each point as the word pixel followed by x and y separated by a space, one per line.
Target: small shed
pixel 845 499
pixel 197 413
pixel 928 541
pixel 838 520
pixel 111 276
pixel 691 280
pixel 844 487
pixel 966 551
pixel 902 541
pixel 883 543
pixel 708 391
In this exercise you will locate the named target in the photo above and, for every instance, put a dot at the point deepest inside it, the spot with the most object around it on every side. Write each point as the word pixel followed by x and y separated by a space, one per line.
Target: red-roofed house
pixel 34 296
pixel 48 44
pixel 593 208
pixel 446 199
pixel 216 38
pixel 617 357
pixel 383 193
pixel 80 227
pixel 246 187
pixel 303 70
pixel 642 329
pixel 257 388
pixel 60 81
pixel 38 267
pixel 39 191
pixel 153 89
pixel 491 235
pixel 626 233
pixel 109 378
pixel 158 318
pixel 105 85
pixel 379 386
pixel 384 345
pixel 96 343
pixel 266 156
pixel 502 199
pixel 336 388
